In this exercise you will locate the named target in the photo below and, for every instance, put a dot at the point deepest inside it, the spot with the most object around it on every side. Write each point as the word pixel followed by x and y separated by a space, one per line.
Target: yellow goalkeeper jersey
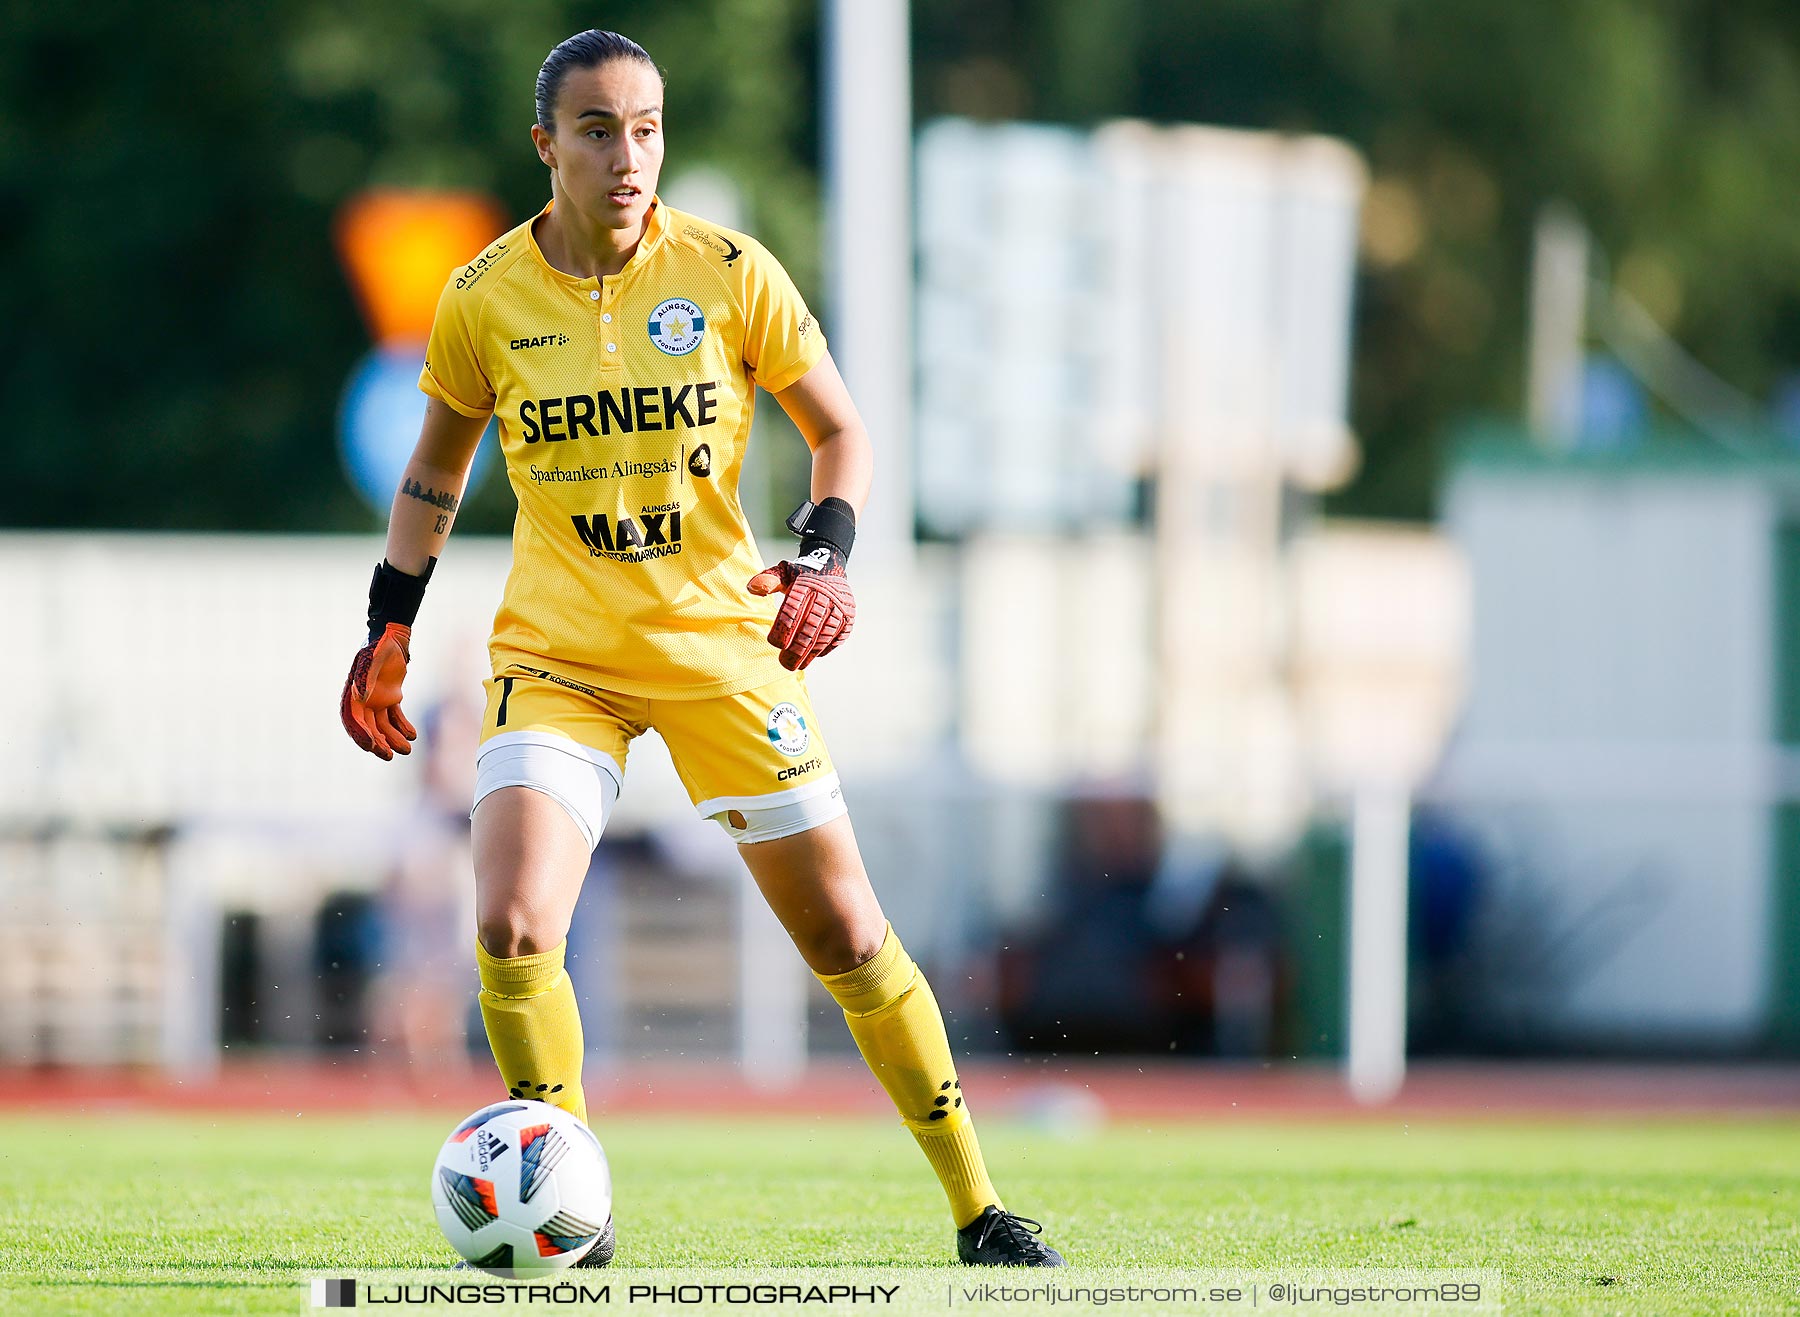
pixel 624 406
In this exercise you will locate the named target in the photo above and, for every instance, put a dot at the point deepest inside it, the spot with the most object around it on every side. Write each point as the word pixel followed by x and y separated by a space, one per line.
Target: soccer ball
pixel 522 1189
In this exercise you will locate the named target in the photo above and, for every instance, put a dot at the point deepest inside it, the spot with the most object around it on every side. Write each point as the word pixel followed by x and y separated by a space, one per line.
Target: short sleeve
pixel 782 341
pixel 453 373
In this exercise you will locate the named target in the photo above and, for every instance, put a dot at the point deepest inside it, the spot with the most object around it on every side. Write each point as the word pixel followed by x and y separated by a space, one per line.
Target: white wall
pixel 194 678
pixel 1616 751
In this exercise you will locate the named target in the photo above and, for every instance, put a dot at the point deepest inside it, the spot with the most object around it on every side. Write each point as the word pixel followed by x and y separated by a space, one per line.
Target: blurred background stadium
pixel 1332 594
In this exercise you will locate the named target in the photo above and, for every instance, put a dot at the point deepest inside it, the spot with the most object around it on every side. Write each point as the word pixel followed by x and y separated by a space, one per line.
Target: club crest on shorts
pixel 676 327
pixel 788 732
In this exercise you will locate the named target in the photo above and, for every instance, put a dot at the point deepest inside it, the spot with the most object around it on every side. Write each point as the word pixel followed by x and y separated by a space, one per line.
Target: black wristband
pixel 831 524
pixel 395 596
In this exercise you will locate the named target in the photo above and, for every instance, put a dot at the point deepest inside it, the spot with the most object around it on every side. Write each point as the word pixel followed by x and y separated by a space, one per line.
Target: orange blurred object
pixel 399 245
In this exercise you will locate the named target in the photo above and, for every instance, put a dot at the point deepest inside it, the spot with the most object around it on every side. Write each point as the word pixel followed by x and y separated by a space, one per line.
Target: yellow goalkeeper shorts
pixel 755 761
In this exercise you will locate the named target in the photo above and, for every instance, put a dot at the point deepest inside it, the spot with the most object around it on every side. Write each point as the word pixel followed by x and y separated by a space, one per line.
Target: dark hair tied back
pixel 584 50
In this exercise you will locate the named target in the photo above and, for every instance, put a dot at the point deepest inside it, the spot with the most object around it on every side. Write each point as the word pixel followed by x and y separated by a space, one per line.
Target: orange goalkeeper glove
pixel 820 609
pixel 370 704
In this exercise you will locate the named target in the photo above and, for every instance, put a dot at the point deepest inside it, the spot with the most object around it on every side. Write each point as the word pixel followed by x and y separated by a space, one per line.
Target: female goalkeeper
pixel 621 342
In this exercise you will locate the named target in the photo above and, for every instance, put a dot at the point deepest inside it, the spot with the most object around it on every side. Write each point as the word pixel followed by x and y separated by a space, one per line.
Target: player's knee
pixel 839 946
pixel 508 932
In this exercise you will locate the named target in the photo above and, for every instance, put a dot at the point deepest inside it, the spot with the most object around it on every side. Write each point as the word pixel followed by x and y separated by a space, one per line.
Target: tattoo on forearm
pixel 443 524
pixel 437 498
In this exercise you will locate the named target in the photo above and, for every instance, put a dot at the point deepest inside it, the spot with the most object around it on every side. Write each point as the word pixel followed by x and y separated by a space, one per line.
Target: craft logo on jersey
pixel 788 731
pixel 676 327
pixel 538 341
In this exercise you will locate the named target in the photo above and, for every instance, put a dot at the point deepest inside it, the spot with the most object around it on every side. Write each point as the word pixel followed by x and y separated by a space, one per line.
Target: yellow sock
pixel 533 1026
pixel 900 1032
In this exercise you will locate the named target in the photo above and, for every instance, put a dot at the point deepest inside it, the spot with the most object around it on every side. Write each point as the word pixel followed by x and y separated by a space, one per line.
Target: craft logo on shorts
pixel 799 770
pixel 676 327
pixel 788 731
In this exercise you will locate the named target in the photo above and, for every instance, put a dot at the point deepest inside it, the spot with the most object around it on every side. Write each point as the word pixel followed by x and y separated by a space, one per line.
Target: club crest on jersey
pixel 788 732
pixel 676 327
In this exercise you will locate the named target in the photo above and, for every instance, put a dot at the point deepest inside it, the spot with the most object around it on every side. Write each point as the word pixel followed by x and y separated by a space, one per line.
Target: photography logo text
pixel 334 1293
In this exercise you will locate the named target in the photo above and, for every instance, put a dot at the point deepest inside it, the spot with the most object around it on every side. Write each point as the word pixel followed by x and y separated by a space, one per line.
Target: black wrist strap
pixel 395 596
pixel 831 524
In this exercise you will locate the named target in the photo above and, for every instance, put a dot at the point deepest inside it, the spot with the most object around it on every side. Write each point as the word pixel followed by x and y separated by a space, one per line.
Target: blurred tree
pixel 178 329
pixel 1672 125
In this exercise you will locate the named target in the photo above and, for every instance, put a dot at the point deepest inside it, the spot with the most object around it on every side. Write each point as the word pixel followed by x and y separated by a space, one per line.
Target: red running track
pixel 1039 1088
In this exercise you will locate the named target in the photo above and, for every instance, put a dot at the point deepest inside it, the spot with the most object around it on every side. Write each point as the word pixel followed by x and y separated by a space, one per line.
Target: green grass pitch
pixel 199 1213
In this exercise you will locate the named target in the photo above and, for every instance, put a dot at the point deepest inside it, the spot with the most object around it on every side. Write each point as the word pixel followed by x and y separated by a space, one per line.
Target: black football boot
pixel 1000 1239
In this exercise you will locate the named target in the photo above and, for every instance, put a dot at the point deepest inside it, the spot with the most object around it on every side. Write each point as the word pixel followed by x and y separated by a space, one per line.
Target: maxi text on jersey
pixel 654 533
pixel 619 411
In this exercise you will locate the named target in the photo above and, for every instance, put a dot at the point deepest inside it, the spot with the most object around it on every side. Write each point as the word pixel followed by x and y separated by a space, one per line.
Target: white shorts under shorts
pixel 586 783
